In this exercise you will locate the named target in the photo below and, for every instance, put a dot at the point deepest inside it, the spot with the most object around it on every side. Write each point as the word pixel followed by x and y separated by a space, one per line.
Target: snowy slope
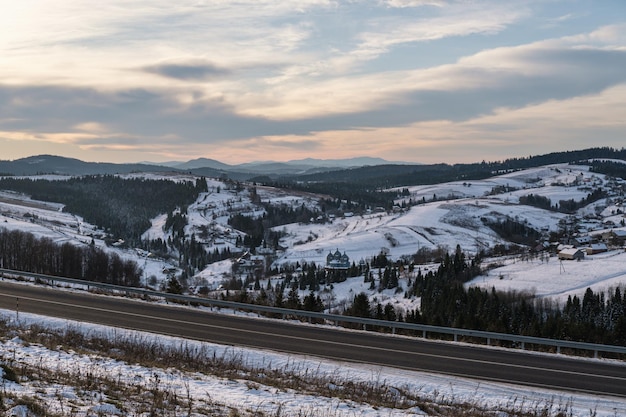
pixel 438 223
pixel 441 223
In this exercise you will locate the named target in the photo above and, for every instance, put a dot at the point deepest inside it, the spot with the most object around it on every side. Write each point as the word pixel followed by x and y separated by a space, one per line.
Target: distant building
pixel 619 236
pixel 572 254
pixel 583 240
pixel 597 248
pixel 248 264
pixel 337 260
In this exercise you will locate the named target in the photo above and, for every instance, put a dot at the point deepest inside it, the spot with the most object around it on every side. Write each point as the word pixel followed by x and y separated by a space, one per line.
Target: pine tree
pixel 173 286
pixel 293 299
pixel 360 306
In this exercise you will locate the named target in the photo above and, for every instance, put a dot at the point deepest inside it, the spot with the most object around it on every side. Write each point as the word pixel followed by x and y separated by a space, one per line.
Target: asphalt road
pixel 483 363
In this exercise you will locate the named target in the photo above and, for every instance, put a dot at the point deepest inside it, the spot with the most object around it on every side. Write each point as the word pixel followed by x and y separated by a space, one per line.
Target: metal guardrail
pixel 424 329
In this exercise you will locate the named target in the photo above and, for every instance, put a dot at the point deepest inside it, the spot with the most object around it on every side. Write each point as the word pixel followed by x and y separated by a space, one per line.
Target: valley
pixel 488 219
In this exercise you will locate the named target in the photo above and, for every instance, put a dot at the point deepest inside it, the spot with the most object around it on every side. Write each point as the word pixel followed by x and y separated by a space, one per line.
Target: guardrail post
pixel 558 349
pixel 523 346
pixel 488 341
pixel 393 330
pixel 595 354
pixel 424 334
pixel 456 337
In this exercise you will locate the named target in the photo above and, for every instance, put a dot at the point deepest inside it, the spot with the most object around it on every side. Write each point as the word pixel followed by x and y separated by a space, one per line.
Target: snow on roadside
pixel 242 395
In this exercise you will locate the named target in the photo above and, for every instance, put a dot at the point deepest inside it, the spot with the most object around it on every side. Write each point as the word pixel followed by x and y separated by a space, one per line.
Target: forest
pixel 366 186
pixel 563 206
pixel 388 176
pixel 597 318
pixel 446 301
pixel 46 257
pixel 123 207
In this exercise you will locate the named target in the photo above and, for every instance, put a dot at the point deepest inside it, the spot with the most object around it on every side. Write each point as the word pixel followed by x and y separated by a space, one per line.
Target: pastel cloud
pixel 297 78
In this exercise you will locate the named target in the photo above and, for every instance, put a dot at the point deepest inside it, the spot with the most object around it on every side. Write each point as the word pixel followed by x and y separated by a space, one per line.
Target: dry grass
pixel 156 398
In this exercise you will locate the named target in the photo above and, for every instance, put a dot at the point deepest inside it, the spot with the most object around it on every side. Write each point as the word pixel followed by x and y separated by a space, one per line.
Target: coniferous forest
pixel 596 318
pixel 123 207
pixel 446 301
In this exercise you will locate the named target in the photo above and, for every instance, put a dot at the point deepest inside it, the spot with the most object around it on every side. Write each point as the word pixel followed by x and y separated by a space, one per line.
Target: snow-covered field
pixel 558 279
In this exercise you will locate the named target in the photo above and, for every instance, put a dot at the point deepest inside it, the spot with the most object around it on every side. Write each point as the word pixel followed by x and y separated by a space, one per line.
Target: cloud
pixel 554 125
pixel 414 3
pixel 252 75
pixel 93 127
pixel 506 76
pixel 476 86
pixel 460 21
pixel 188 71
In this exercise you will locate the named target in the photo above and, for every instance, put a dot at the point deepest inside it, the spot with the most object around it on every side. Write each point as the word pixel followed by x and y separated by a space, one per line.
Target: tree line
pixel 364 186
pixel 563 206
pixel 610 168
pixel 396 175
pixel 596 318
pixel 26 252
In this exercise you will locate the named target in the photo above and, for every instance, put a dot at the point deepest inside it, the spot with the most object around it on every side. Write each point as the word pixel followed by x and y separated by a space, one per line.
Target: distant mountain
pixel 202 163
pixel 277 168
pixel 372 171
pixel 50 164
pixel 346 163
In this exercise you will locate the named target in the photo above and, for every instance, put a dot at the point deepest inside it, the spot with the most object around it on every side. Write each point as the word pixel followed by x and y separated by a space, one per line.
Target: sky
pixel 423 81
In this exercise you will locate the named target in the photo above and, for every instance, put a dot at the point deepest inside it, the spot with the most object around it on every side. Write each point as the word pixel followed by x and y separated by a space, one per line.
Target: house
pixel 561 247
pixel 583 240
pixel 597 248
pixel 571 254
pixel 249 264
pixel 619 236
pixel 337 261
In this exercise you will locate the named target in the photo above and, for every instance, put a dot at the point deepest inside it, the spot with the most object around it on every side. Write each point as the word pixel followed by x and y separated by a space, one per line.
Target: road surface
pixel 478 362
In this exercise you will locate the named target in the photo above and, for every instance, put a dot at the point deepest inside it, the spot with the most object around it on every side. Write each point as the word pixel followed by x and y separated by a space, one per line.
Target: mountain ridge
pixel 369 173
pixel 61 165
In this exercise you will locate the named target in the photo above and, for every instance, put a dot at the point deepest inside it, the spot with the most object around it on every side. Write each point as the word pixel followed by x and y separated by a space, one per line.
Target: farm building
pixel 597 248
pixel 572 254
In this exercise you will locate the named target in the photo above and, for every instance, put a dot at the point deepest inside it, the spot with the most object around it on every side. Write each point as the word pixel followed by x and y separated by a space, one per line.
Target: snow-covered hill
pixel 446 215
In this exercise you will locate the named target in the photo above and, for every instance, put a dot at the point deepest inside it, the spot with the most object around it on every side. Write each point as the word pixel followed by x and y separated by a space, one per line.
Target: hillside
pixel 426 222
pixel 428 218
